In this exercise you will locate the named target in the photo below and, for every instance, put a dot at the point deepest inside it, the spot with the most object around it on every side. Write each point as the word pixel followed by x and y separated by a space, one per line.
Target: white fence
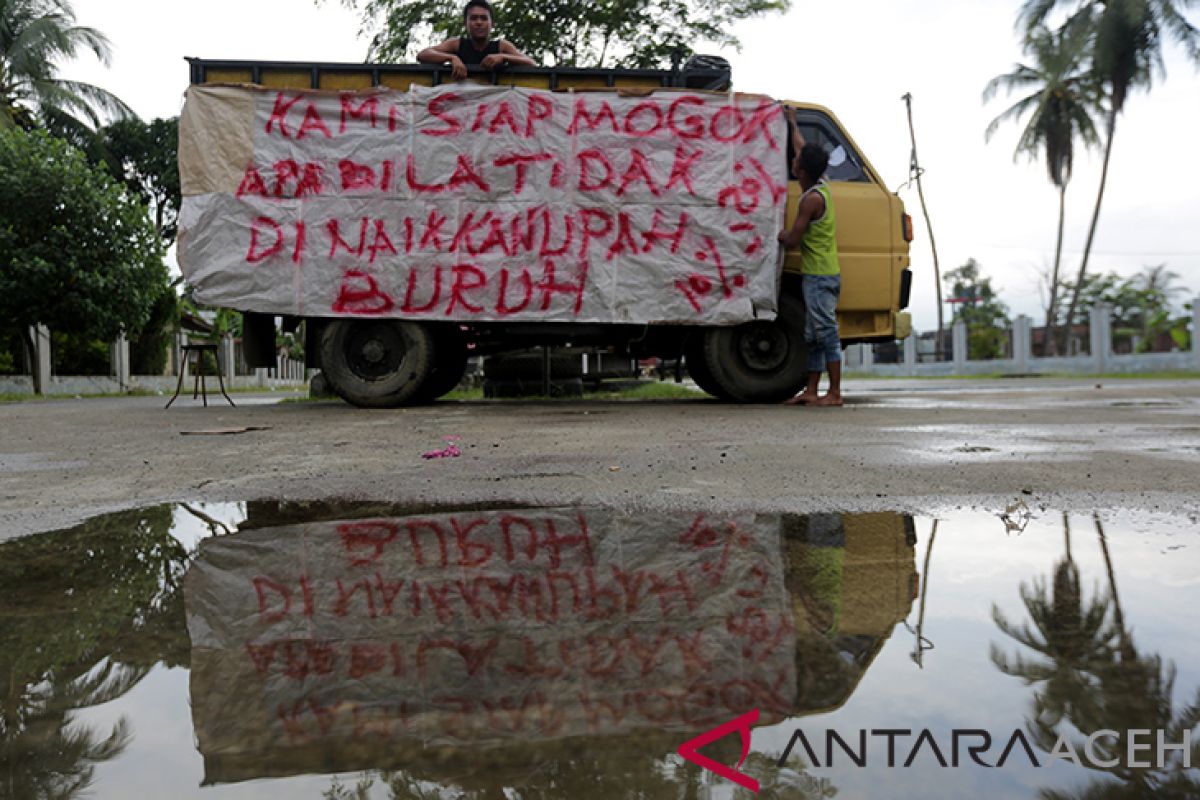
pixel 288 373
pixel 1099 360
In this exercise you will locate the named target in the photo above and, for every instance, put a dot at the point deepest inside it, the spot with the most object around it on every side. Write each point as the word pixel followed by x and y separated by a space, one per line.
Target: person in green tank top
pixel 814 233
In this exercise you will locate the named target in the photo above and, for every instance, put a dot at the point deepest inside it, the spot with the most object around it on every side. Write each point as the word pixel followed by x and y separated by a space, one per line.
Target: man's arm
pixel 810 208
pixel 445 53
pixel 797 137
pixel 508 54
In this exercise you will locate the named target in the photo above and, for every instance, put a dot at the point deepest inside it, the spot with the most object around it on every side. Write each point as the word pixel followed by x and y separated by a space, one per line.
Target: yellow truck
pixel 631 143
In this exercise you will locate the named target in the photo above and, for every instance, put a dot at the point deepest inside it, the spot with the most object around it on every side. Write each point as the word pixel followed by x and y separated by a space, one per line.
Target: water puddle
pixel 361 651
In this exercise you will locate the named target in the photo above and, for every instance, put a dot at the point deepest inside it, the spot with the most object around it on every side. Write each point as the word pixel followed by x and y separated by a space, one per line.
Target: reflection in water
pixel 557 652
pixel 1091 676
pixel 84 615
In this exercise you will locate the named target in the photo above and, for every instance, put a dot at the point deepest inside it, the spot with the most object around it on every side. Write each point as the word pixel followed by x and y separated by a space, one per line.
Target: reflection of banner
pixel 485 627
pixel 483 203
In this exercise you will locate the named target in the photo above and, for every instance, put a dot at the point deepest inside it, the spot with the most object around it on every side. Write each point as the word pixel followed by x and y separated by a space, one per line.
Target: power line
pixel 1131 253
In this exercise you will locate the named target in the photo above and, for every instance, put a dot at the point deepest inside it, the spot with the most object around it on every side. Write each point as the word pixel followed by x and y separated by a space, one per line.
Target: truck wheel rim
pixel 375 350
pixel 762 346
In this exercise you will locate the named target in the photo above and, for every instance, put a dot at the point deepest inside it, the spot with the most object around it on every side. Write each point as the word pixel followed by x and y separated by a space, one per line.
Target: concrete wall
pixel 1101 360
pixel 287 374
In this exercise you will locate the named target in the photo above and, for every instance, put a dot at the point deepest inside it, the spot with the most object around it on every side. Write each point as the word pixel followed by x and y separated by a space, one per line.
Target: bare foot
pixel 803 399
pixel 829 399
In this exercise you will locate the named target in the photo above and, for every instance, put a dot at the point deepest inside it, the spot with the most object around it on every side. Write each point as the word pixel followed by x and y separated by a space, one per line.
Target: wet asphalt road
pixel 912 446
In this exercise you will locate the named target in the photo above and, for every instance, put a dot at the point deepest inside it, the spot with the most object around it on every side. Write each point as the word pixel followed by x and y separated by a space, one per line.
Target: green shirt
pixel 818 248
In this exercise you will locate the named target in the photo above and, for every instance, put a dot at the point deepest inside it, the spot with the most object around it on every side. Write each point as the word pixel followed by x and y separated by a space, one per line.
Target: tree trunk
pixel 1118 614
pixel 1049 345
pixel 1087 248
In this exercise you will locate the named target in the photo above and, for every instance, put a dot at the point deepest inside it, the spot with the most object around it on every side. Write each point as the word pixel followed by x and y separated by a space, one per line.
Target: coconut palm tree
pixel 1127 39
pixel 35 35
pixel 1062 97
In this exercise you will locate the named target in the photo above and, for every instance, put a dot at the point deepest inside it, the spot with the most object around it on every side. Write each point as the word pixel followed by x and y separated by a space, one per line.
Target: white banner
pixel 494 626
pixel 484 203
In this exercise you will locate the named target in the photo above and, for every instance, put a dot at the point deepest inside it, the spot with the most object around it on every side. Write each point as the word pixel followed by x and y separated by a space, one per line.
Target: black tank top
pixel 472 57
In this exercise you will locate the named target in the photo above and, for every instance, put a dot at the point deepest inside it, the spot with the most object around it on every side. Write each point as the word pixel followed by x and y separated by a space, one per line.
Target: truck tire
pixel 759 361
pixel 318 387
pixel 377 363
pixel 450 363
pixel 697 368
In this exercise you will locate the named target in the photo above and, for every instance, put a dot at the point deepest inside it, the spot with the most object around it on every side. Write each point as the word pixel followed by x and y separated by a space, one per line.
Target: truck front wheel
pixel 697 367
pixel 760 361
pixel 377 363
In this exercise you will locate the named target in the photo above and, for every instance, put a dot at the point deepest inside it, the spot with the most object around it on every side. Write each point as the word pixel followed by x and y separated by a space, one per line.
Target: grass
pixel 22 397
pixel 989 376
pixel 186 391
pixel 660 390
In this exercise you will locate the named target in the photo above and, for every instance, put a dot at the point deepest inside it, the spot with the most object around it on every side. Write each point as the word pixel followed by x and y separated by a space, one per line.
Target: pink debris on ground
pixel 449 451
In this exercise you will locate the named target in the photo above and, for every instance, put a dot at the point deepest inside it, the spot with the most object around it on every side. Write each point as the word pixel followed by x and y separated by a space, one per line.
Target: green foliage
pixel 144 155
pixel 35 35
pixel 629 33
pixel 77 253
pixel 980 308
pixel 148 351
pixel 72 354
pixel 290 345
pixel 12 356
pixel 1141 305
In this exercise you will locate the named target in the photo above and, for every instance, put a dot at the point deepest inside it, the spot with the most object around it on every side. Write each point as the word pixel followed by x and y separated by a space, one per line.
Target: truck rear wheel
pixel 377 363
pixel 760 361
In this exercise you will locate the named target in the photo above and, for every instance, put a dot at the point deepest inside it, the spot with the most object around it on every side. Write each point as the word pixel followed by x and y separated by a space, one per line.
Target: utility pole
pixel 921 645
pixel 914 175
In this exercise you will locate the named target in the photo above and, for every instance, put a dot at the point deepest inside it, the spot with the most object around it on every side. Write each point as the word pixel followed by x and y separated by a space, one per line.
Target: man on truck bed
pixel 477 47
pixel 813 231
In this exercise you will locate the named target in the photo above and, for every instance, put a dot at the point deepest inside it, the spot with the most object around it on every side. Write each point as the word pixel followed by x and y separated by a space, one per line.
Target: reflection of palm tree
pixel 648 776
pixel 790 780
pixel 50 757
pixel 1115 689
pixel 1069 633
pixel 1134 693
pixel 84 615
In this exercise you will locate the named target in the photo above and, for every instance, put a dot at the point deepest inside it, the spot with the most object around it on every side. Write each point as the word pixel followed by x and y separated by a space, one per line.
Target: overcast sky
pixel 858 58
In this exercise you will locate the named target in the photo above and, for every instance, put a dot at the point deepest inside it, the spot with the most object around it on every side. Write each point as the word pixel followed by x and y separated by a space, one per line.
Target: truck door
pixel 864 217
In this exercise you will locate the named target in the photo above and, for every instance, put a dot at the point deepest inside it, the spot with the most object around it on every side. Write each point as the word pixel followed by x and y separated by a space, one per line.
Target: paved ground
pixel 914 446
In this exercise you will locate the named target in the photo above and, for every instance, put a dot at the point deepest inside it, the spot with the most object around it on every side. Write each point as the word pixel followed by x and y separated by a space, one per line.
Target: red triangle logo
pixel 690 750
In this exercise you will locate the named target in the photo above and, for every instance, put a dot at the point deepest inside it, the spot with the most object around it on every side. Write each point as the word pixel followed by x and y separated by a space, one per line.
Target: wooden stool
pixel 199 388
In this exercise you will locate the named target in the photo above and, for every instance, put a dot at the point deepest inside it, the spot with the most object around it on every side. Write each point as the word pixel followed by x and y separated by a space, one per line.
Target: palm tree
pixel 34 36
pixel 1062 98
pixel 1127 43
